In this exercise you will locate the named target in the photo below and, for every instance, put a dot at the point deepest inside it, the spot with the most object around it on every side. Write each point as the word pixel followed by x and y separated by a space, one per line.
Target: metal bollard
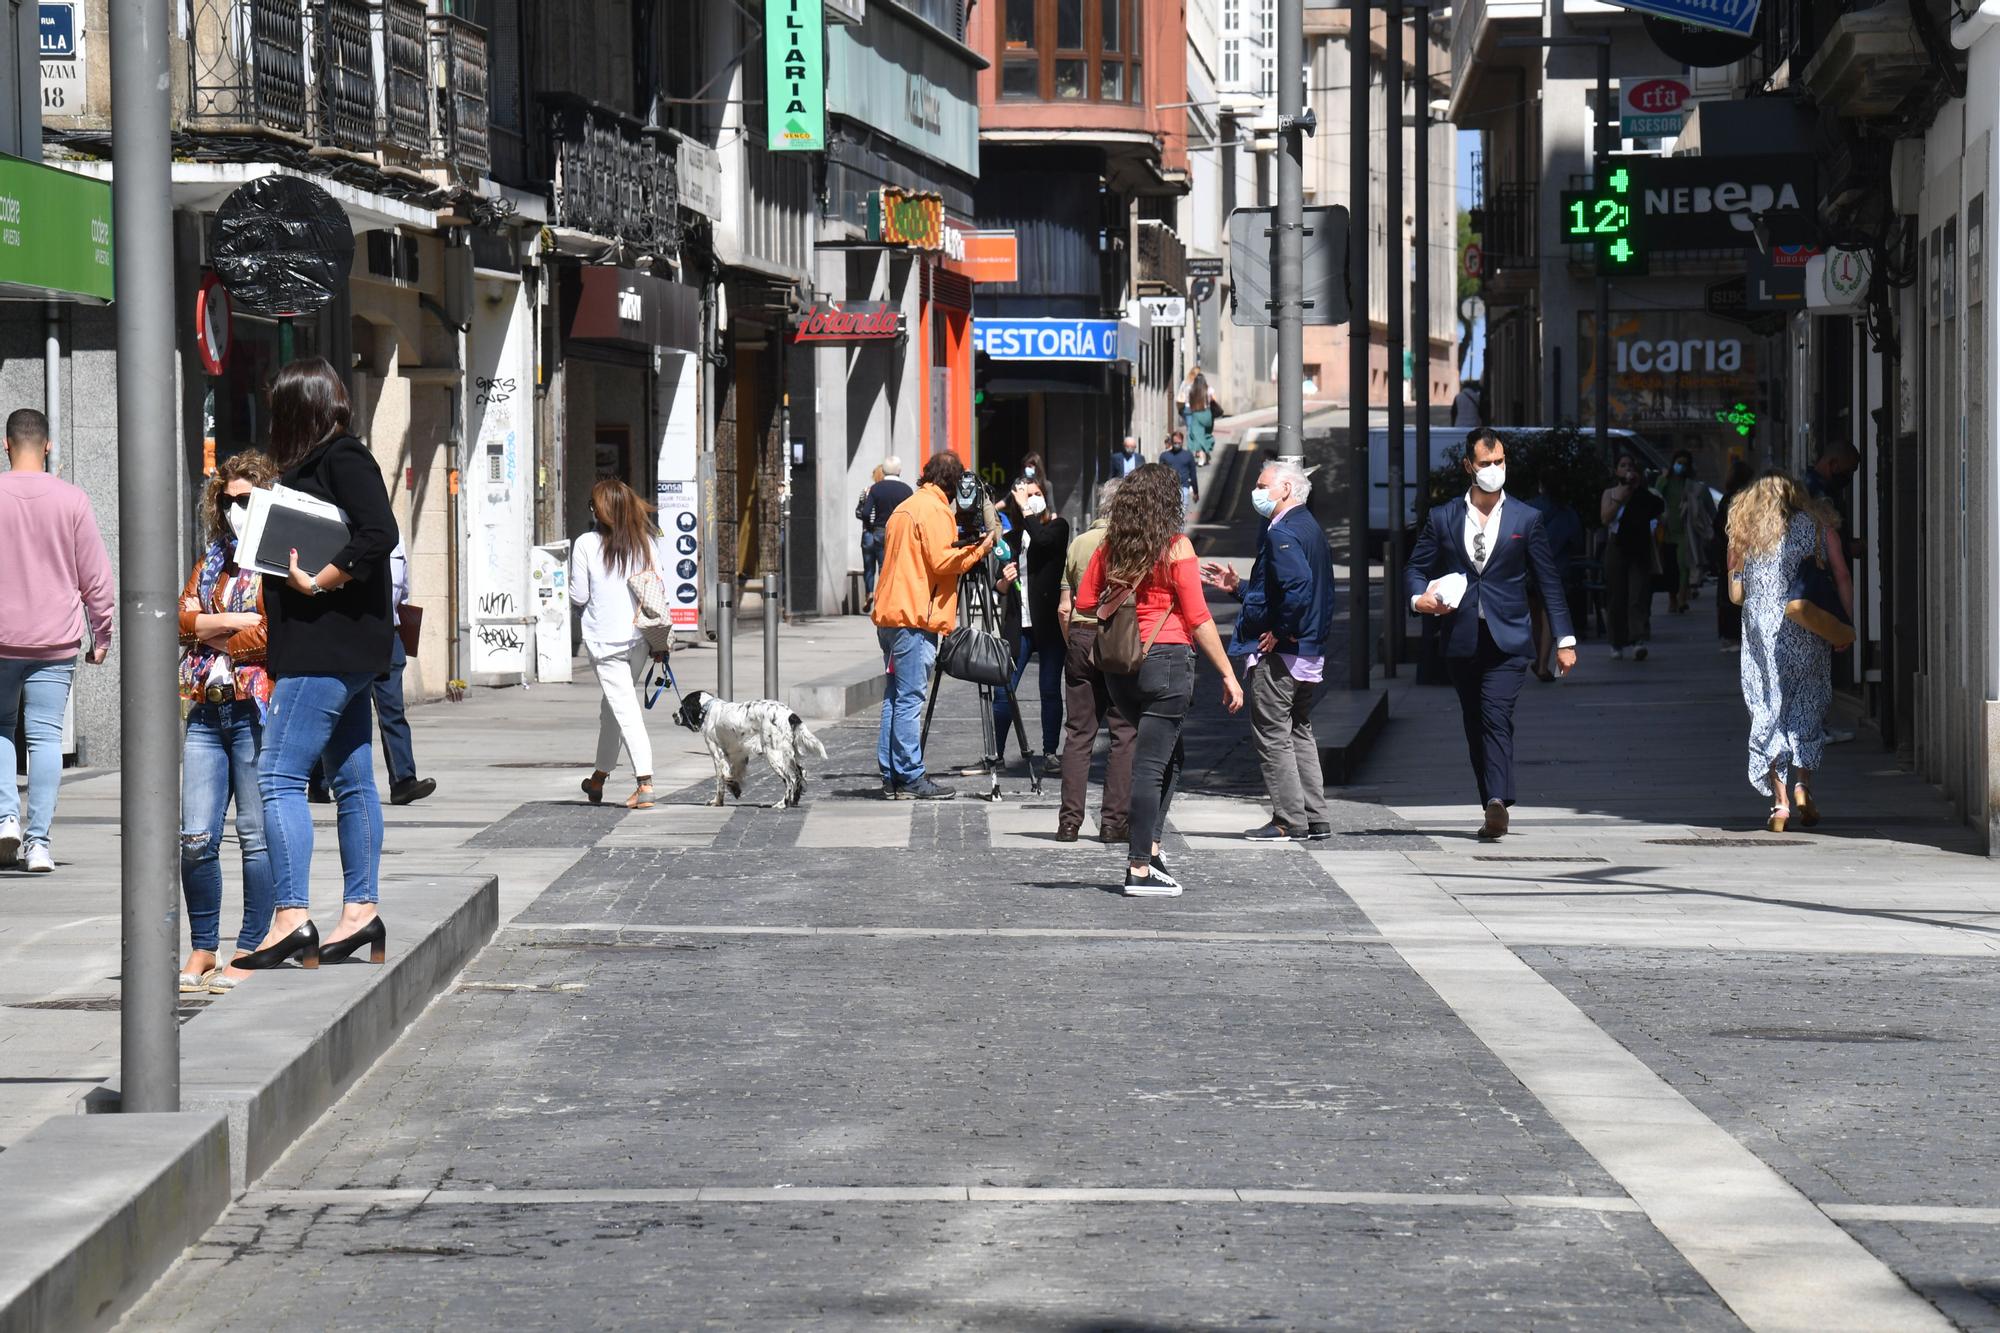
pixel 773 611
pixel 725 637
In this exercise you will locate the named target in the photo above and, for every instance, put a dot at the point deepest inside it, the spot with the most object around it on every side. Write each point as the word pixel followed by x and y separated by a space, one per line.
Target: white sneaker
pixel 37 859
pixel 1617 654
pixel 10 840
pixel 1157 883
pixel 1838 735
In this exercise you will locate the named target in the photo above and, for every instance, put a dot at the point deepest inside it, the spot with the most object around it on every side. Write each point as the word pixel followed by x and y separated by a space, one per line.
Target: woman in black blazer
pixel 330 636
pixel 1030 589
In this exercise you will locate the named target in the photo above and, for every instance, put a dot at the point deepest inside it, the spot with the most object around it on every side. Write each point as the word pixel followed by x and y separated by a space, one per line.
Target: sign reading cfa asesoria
pixel 795 74
pixel 848 322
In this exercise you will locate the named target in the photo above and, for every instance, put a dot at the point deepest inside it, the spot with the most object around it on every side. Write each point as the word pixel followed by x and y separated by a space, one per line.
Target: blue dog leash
pixel 656 685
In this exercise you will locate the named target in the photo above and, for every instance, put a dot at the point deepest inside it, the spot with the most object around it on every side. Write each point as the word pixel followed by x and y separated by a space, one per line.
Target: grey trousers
pixel 1281 721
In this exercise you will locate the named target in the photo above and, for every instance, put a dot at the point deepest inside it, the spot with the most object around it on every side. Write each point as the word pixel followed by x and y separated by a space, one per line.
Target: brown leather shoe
pixel 1067 830
pixel 1495 827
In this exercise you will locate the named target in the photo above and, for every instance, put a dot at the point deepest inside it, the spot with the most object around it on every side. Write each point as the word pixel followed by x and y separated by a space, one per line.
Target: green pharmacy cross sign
pixel 1602 219
pixel 1740 418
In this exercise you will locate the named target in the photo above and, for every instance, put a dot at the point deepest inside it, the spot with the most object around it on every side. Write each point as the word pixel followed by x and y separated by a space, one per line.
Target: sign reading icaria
pixel 848 322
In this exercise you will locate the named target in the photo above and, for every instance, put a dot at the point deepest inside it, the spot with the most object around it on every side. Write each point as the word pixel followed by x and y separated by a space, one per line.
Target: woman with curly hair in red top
pixel 1144 556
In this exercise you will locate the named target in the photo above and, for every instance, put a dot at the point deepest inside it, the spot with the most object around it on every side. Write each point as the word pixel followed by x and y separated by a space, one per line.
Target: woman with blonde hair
pixel 1144 558
pixel 1775 529
pixel 227 693
pixel 622 543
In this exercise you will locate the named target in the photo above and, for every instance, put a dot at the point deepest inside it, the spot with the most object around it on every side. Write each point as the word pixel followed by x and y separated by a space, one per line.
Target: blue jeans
pixel 389 716
pixel 45 688
pixel 908 655
pixel 218 762
pixel 872 543
pixel 312 716
pixel 1050 686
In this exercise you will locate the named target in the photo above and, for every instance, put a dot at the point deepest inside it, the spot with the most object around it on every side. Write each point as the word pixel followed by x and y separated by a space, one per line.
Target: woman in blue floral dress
pixel 1774 528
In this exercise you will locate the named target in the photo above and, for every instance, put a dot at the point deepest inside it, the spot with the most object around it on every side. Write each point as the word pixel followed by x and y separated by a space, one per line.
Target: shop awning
pixel 55 234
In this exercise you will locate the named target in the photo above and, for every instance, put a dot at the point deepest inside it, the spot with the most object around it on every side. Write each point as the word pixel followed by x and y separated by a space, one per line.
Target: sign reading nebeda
pixel 795 75
pixel 1713 203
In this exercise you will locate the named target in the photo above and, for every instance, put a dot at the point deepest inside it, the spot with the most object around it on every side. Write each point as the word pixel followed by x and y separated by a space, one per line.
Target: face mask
pixel 1492 477
pixel 1261 501
pixel 1033 505
pixel 1028 472
pixel 237 516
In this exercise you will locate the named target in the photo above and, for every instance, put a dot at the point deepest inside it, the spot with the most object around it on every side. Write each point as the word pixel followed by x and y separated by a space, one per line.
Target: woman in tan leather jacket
pixel 226 692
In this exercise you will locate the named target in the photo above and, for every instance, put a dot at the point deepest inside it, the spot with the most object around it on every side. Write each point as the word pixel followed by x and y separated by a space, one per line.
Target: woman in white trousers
pixel 623 543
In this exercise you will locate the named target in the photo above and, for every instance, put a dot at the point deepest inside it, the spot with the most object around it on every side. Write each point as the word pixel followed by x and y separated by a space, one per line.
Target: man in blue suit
pixel 1286 623
pixel 1501 549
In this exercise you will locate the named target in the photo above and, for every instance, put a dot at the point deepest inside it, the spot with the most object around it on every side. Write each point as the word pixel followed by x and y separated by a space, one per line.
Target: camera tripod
pixel 979 608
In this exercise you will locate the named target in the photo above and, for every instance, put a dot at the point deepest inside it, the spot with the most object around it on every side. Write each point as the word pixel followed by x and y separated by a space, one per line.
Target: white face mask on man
pixel 1491 478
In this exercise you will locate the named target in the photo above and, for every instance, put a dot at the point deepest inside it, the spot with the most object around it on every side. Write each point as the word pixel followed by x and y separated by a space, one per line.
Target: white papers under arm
pixel 1450 589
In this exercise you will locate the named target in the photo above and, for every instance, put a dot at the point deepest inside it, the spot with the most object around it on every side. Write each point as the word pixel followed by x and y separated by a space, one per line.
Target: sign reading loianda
pixel 795 74
pixel 848 321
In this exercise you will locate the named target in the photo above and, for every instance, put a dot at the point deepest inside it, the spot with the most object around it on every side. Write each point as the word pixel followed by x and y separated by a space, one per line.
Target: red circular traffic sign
pixel 1475 261
pixel 212 324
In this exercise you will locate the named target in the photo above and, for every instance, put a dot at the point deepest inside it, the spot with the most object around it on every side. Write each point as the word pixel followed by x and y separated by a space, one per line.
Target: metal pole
pixel 1359 20
pixel 772 613
pixel 52 368
pixel 148 635
pixel 1601 154
pixel 1420 312
pixel 1395 271
pixel 1288 272
pixel 725 636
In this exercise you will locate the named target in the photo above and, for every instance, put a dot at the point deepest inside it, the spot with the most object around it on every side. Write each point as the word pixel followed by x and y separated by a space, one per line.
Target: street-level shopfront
pixel 1056 387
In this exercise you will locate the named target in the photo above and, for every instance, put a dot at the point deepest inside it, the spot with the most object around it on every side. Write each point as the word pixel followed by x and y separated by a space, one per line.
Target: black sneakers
pixel 1155 883
pixel 923 789
pixel 1275 832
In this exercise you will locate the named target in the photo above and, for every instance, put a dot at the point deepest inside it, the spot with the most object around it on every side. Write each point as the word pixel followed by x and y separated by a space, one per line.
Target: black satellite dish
pixel 1703 48
pixel 282 246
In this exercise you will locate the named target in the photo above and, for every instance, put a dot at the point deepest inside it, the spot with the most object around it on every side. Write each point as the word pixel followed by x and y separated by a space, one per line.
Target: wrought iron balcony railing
pixel 406 107
pixel 612 177
pixel 1507 227
pixel 247 65
pixel 358 75
pixel 1162 259
pixel 460 107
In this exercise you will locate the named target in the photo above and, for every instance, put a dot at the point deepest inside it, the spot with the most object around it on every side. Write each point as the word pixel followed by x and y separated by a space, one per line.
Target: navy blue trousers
pixel 1488 683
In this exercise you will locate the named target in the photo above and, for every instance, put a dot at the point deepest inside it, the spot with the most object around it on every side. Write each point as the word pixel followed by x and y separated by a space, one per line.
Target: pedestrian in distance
pixel 392 718
pixel 1565 529
pixel 331 638
pixel 916 604
pixel 1689 525
pixel 1087 699
pixel 226 690
pixel 1776 529
pixel 1181 461
pixel 1829 480
pixel 1147 561
pixel 878 502
pixel 1033 468
pixel 1283 632
pixel 1030 588
pixel 1474 564
pixel 1202 414
pixel 57 585
pixel 1728 614
pixel 1629 509
pixel 622 543
pixel 1126 458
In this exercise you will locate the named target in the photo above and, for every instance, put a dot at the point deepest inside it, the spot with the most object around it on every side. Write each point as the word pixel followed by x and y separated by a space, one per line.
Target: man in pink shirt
pixel 54 572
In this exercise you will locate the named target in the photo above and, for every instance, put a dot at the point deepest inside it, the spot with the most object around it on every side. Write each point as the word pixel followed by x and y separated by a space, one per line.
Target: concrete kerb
pixel 841 695
pixel 78 1247
pixel 284 1049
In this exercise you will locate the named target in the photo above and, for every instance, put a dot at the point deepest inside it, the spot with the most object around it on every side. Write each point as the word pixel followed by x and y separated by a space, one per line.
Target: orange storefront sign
pixel 990 256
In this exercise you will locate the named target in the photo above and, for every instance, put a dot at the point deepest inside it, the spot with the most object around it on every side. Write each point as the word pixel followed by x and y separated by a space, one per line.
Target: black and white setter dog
pixel 735 732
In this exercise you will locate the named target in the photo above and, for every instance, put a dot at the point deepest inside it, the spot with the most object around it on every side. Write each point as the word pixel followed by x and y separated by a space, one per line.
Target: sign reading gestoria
pixel 55 233
pixel 1046 339
pixel 899 217
pixel 795 74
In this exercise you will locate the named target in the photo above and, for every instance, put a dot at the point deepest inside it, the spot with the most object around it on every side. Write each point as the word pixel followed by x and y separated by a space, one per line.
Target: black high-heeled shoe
pixel 304 942
pixel 375 935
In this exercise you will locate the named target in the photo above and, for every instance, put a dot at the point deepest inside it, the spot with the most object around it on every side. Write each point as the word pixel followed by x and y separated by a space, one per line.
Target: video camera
pixel 975 511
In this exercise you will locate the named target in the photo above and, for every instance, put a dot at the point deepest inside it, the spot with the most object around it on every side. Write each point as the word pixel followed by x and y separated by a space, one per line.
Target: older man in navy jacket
pixel 1284 628
pixel 1498 549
